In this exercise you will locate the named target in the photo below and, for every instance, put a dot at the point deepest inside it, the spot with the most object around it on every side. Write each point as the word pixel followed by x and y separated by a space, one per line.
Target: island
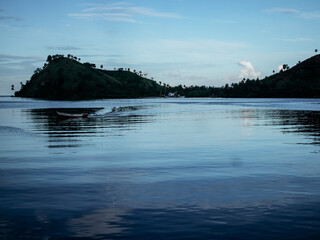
pixel 66 78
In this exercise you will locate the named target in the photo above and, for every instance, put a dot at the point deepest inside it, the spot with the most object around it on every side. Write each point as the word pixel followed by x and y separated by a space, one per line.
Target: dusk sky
pixel 189 42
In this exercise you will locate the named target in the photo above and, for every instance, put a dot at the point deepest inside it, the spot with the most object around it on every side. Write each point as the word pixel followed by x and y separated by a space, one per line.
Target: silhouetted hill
pixel 67 79
pixel 300 81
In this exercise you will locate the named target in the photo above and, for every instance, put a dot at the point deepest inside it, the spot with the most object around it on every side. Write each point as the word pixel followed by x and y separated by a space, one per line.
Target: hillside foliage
pixel 65 78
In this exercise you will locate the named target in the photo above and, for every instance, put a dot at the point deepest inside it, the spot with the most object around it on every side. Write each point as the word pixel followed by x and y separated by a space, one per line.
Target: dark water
pixel 160 169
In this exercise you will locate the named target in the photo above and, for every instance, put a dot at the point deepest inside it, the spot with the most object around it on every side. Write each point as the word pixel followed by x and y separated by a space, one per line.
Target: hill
pixel 64 78
pixel 300 81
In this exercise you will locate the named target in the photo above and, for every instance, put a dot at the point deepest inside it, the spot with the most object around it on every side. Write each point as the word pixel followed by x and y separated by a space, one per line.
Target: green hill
pixel 67 79
pixel 300 81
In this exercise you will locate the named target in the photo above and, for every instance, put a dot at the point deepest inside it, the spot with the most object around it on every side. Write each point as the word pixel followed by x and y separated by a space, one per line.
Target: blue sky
pixel 190 42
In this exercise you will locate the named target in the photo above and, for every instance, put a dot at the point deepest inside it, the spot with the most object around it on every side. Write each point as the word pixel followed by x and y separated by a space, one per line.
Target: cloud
pixel 8 18
pixel 248 71
pixel 102 55
pixel 104 16
pixel 194 48
pixel 311 15
pixel 280 67
pixel 10 58
pixel 17 68
pixel 282 10
pixel 63 48
pixel 297 39
pixel 3 18
pixel 222 21
pixel 291 11
pixel 122 12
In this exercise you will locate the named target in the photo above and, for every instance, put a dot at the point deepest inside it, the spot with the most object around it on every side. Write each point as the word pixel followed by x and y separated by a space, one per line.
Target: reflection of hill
pixel 74 132
pixel 302 122
pixel 306 123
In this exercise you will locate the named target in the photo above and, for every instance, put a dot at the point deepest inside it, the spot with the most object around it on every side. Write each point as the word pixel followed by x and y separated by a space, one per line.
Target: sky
pixel 188 42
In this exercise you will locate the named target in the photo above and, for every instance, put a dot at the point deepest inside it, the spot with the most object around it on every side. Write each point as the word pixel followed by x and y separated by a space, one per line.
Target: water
pixel 160 169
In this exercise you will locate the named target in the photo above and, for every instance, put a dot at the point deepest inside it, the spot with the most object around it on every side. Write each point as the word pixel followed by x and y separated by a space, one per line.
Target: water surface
pixel 160 169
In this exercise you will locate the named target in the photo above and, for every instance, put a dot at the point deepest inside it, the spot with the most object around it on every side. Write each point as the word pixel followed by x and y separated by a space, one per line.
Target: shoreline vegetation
pixel 66 78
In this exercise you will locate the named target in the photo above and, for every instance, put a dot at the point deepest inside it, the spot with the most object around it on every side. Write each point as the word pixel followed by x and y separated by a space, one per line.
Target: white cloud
pixel 310 15
pixel 280 67
pixel 122 12
pixel 248 71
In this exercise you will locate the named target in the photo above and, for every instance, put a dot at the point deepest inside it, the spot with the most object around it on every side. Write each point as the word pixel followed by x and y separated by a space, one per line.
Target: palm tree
pixel 285 67
pixel 101 66
pixel 49 58
pixel 316 50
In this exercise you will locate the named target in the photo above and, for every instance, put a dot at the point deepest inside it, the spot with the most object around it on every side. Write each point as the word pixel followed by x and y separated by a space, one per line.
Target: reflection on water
pixel 300 122
pixel 76 130
pixel 188 222
pixel 305 123
pixel 160 169
pixel 72 132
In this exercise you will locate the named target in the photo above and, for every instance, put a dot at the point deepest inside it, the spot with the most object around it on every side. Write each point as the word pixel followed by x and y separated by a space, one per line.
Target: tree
pixel 101 66
pixel 49 59
pixel 316 50
pixel 285 67
pixel 38 70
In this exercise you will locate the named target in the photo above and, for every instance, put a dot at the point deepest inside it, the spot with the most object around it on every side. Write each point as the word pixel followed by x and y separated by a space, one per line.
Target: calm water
pixel 160 169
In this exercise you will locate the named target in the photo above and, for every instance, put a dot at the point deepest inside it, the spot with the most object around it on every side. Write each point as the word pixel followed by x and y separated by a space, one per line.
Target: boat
pixel 70 115
pixel 173 95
